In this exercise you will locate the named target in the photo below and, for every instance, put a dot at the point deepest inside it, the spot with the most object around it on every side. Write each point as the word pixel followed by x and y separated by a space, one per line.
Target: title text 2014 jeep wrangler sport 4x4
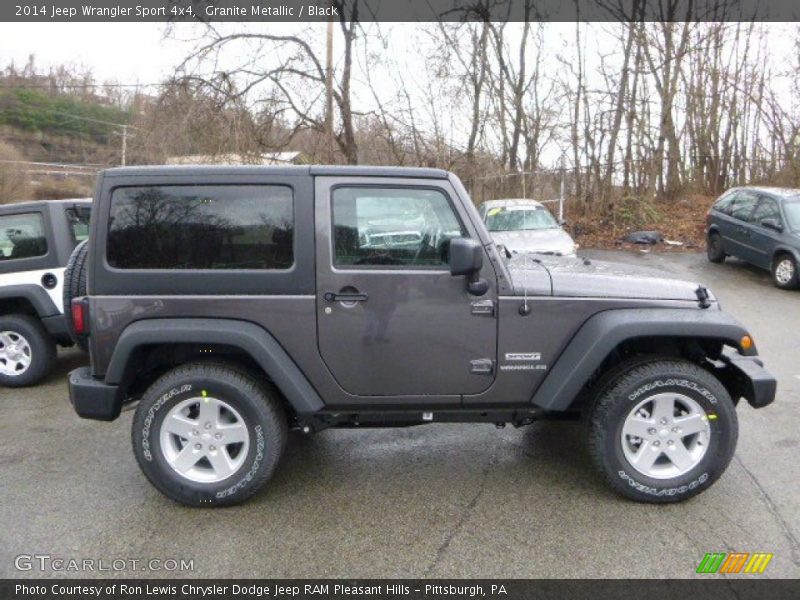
pixel 236 303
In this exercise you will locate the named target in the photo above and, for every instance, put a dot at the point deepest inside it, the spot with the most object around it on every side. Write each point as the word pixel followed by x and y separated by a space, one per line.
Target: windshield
pixel 519 219
pixel 792 210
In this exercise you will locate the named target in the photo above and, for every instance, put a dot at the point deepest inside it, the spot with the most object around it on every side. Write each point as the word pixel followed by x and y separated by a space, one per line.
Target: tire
pixel 784 272
pixel 75 287
pixel 23 340
pixel 637 391
pixel 248 405
pixel 714 248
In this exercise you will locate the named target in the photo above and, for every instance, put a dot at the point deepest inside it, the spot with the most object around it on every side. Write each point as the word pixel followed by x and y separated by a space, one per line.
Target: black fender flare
pixel 603 332
pixel 783 249
pixel 248 337
pixel 40 300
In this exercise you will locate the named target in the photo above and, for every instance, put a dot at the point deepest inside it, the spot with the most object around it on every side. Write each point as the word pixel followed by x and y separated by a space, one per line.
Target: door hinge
pixel 481 366
pixel 483 307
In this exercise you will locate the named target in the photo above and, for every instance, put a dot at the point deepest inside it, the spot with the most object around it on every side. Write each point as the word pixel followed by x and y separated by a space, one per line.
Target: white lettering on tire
pixel 151 414
pixel 685 383
pixel 253 469
pixel 658 492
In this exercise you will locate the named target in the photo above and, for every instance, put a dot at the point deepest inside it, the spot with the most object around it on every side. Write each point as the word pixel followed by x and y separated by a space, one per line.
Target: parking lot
pixel 437 500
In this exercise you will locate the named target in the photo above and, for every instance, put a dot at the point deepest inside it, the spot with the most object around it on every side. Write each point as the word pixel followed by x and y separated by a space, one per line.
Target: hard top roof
pixel 288 170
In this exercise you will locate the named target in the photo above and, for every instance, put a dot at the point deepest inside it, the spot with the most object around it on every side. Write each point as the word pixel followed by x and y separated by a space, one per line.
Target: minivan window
pixel 723 205
pixel 743 205
pixel 792 210
pixel 767 209
pixel 22 236
pixel 201 227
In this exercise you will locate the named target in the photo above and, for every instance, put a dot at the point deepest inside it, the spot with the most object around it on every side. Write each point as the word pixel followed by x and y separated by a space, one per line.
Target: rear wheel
pixel 662 431
pixel 209 434
pixel 714 247
pixel 27 352
pixel 784 272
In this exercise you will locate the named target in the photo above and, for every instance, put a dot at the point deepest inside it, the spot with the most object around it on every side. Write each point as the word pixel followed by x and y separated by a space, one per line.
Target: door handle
pixel 345 297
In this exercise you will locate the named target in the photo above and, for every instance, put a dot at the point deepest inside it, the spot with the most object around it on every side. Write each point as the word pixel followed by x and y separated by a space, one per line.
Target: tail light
pixel 80 316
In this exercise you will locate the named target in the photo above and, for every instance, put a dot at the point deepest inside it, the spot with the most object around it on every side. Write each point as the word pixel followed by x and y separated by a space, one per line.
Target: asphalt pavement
pixel 436 500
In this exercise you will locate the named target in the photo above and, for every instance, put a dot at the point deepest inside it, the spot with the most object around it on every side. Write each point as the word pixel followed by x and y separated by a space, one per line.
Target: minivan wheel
pixel 714 248
pixel 27 352
pixel 662 431
pixel 209 434
pixel 784 272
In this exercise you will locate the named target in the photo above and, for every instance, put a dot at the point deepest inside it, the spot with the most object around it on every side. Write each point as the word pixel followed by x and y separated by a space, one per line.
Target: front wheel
pixel 662 431
pixel 784 272
pixel 209 434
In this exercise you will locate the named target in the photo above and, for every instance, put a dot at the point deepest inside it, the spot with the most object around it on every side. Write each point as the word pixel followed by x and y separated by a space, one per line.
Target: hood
pixel 541 241
pixel 583 278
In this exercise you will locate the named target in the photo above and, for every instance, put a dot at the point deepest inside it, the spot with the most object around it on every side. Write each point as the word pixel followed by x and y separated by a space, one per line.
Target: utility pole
pixel 124 144
pixel 329 91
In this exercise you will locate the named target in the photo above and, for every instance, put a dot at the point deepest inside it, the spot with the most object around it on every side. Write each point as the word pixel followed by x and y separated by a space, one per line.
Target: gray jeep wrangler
pixel 36 240
pixel 237 303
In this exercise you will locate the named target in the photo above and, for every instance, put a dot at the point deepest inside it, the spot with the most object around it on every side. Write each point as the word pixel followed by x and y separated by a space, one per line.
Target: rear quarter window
pixel 723 205
pixel 201 227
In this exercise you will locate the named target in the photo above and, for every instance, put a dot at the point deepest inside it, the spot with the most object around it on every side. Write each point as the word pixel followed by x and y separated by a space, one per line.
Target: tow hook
pixel 702 297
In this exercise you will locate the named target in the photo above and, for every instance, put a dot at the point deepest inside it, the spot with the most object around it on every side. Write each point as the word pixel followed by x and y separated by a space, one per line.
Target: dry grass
pixel 681 220
pixel 14 183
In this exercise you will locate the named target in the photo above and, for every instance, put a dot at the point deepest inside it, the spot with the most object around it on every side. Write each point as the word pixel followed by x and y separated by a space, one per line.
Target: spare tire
pixel 75 287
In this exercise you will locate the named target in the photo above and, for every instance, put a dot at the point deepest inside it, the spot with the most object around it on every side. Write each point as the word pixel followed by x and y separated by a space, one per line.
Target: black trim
pixel 752 381
pixel 250 338
pixel 56 326
pixel 34 294
pixel 603 332
pixel 91 398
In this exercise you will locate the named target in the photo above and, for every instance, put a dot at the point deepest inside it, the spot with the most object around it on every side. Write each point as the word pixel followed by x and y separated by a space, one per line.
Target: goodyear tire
pixel 75 287
pixel 208 434
pixel 27 352
pixel 662 431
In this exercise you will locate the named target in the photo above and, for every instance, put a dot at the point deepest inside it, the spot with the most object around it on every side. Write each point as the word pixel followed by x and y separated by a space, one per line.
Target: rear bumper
pixel 749 379
pixel 92 398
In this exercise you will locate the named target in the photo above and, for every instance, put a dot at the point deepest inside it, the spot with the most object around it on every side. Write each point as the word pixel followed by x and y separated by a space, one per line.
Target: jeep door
pixel 391 319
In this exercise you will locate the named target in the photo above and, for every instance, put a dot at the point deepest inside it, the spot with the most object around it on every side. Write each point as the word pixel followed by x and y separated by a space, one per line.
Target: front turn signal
pixel 746 342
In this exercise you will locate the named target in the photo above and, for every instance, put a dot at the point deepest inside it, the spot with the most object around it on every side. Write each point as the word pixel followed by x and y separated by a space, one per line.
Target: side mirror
pixel 773 224
pixel 466 258
pixel 562 222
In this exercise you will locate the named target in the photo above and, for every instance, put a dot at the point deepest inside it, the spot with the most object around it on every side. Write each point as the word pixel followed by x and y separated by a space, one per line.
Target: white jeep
pixel 36 241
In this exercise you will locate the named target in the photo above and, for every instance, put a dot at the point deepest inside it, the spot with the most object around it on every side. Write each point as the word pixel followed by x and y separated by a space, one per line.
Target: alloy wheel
pixel 665 435
pixel 204 439
pixel 15 354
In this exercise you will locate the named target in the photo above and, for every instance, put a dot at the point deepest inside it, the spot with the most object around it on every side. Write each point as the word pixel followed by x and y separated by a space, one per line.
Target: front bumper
pixel 748 378
pixel 92 398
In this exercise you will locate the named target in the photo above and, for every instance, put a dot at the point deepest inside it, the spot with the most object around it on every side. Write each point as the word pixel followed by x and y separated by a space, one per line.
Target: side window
pixel 723 205
pixel 201 227
pixel 767 209
pixel 743 205
pixel 78 219
pixel 22 236
pixel 392 226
